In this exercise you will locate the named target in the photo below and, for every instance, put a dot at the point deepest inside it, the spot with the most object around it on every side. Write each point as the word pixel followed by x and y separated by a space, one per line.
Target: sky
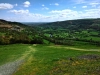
pixel 48 10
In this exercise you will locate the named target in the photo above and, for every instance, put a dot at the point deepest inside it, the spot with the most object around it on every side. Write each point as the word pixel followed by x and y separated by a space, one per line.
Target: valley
pixel 57 48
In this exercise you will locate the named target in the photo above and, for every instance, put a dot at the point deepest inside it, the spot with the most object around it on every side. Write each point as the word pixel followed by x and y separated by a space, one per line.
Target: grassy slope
pixel 10 53
pixel 52 60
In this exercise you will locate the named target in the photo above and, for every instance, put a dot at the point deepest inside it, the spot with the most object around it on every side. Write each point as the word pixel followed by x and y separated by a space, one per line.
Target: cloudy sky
pixel 48 10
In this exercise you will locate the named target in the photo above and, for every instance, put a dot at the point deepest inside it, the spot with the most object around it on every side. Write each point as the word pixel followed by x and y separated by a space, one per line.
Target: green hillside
pixel 72 32
pixel 74 24
pixel 58 48
pixel 15 32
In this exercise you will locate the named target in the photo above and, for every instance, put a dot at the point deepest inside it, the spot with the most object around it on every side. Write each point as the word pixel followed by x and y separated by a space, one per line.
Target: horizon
pixel 54 21
pixel 48 11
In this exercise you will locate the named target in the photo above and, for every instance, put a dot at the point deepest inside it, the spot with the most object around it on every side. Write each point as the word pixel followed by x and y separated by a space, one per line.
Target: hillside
pixel 82 30
pixel 58 48
pixel 11 25
pixel 74 24
pixel 72 32
pixel 15 32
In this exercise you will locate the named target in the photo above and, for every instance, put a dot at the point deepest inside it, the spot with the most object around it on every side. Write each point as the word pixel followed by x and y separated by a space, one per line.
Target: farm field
pixel 49 60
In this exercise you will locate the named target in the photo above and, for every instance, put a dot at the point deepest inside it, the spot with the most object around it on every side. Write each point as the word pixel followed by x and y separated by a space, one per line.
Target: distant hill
pixel 15 32
pixel 72 32
pixel 74 24
pixel 4 22
pixel 33 23
pixel 11 25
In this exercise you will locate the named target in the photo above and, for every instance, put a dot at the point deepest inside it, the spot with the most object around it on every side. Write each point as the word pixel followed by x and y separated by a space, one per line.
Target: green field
pixel 52 59
pixel 10 53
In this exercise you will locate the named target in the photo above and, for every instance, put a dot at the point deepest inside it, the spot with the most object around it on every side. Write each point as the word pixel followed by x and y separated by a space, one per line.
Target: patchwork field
pixel 21 59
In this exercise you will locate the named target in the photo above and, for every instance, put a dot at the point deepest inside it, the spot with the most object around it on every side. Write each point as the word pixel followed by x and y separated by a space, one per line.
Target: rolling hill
pixel 65 32
pixel 71 32
pixel 74 24
pixel 11 25
pixel 15 32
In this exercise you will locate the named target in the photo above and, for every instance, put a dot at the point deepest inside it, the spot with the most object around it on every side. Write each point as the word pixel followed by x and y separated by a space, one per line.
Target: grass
pixel 94 33
pixel 48 60
pixel 76 67
pixel 93 38
pixel 2 33
pixel 10 53
pixel 51 59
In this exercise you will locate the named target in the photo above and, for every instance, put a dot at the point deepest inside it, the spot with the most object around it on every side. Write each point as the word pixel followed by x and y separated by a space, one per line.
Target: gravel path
pixel 10 68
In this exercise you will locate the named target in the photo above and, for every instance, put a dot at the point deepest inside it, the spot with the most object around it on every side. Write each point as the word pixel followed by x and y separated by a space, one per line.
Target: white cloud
pixel 19 11
pixel 26 16
pixel 99 7
pixel 45 8
pixel 69 14
pixel 84 6
pixel 74 7
pixel 89 2
pixel 94 4
pixel 56 4
pixel 55 15
pixel 16 4
pixel 92 13
pixel 43 5
pixel 60 11
pixel 64 14
pixel 6 6
pixel 79 1
pixel 26 4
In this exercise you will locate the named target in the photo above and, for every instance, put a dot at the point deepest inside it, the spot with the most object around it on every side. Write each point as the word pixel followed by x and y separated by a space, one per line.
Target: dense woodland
pixel 71 32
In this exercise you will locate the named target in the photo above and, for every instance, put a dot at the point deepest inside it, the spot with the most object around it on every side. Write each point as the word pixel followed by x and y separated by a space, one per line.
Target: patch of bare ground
pixel 90 57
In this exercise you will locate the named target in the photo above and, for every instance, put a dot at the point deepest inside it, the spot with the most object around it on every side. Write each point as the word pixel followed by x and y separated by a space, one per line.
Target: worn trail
pixel 80 49
pixel 11 67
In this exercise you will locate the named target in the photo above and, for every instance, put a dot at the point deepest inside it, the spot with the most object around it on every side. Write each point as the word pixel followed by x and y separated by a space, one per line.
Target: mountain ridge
pixel 75 24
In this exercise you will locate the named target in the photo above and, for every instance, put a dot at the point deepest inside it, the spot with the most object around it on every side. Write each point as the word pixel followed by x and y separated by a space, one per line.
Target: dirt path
pixel 73 48
pixel 98 50
pixel 11 67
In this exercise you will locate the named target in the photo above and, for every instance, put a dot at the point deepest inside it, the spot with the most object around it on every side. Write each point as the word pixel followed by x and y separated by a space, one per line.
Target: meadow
pixel 52 59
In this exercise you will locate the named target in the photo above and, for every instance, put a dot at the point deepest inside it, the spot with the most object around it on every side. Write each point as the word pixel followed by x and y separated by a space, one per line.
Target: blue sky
pixel 48 10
